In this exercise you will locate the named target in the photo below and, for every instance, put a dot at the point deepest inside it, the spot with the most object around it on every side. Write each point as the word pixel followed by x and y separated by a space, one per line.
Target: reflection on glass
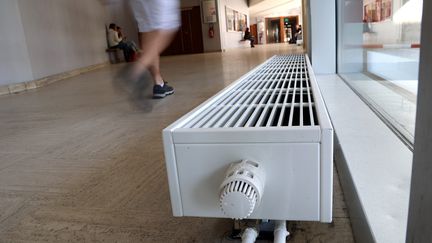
pixel 378 56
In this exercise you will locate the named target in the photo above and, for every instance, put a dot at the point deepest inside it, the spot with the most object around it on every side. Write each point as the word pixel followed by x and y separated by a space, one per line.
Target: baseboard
pixel 38 83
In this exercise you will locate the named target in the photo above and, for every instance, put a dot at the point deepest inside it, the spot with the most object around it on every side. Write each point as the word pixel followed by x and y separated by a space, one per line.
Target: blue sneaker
pixel 160 92
pixel 135 87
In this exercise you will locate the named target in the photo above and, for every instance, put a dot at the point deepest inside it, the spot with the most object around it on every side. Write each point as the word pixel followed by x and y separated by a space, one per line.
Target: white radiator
pixel 262 148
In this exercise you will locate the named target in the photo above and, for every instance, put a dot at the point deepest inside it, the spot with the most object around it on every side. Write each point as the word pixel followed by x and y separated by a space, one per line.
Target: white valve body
pixel 242 189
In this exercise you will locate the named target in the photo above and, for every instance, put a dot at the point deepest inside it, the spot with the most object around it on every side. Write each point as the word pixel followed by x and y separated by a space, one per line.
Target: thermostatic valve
pixel 242 189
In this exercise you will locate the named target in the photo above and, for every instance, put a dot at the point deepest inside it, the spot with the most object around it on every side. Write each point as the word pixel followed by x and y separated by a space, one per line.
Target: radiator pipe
pixel 249 235
pixel 280 231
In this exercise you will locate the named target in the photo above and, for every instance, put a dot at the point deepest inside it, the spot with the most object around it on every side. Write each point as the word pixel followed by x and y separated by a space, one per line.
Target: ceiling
pixel 271 7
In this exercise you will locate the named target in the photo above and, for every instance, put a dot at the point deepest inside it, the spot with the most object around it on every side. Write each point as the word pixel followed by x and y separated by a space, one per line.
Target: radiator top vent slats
pixel 278 94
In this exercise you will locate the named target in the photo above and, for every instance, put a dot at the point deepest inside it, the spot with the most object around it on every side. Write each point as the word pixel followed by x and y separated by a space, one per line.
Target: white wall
pixel 14 60
pixel 119 12
pixel 231 39
pixel 210 44
pixel 46 37
pixel 63 35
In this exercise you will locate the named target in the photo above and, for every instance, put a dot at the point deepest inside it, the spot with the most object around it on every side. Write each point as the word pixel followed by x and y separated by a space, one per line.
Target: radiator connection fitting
pixel 249 235
pixel 280 231
pixel 242 189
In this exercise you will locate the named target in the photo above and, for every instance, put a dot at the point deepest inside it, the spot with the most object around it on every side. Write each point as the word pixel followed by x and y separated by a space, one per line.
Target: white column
pixel 323 36
pixel 420 210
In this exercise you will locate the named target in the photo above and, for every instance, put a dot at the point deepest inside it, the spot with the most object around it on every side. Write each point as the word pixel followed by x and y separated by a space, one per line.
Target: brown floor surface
pixel 80 164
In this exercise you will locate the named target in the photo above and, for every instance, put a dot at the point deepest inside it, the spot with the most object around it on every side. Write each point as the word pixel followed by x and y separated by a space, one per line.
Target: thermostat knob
pixel 242 189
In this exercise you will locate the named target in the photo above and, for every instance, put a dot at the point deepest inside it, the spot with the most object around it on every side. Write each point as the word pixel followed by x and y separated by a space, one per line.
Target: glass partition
pixel 378 56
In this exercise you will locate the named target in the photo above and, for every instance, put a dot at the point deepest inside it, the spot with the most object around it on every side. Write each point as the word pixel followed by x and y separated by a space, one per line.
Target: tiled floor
pixel 79 163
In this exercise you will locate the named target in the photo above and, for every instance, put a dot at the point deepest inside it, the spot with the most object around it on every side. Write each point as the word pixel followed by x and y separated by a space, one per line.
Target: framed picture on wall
pixel 377 10
pixel 235 20
pixel 229 19
pixel 243 22
pixel 209 11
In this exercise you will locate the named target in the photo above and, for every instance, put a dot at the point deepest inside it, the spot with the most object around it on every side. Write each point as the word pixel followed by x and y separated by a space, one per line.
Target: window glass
pixel 378 56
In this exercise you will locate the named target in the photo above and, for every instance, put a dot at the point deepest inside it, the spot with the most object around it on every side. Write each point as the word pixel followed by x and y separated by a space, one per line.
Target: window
pixel 378 56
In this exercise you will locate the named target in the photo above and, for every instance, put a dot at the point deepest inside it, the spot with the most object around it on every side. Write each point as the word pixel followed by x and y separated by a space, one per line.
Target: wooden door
pixel 186 31
pixel 254 32
pixel 196 30
pixel 189 38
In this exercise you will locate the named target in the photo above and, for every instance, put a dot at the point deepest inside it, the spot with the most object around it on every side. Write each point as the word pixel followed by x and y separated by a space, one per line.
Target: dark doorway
pixel 189 38
pixel 291 27
pixel 273 30
pixel 281 29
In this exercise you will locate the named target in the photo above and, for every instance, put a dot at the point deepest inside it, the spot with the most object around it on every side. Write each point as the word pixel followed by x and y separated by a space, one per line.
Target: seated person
pixel 115 41
pixel 299 36
pixel 128 42
pixel 248 36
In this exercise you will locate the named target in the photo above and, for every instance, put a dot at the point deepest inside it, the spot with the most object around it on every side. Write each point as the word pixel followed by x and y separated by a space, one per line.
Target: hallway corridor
pixel 80 164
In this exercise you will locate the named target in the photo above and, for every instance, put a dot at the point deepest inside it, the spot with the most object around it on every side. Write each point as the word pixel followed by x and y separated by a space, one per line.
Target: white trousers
pixel 156 14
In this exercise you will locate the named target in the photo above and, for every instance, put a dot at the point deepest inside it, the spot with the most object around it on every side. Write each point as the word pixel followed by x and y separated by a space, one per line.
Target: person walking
pixel 158 22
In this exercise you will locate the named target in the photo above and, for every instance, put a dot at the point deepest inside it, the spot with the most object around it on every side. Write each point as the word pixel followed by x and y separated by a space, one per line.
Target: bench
pixel 244 43
pixel 115 55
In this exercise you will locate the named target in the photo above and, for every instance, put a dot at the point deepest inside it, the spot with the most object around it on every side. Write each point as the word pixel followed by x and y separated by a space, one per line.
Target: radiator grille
pixel 278 94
